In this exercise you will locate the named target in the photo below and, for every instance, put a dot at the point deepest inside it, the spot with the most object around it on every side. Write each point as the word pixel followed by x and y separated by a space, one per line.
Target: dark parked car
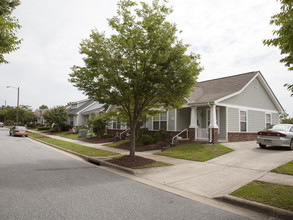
pixel 18 131
pixel 276 135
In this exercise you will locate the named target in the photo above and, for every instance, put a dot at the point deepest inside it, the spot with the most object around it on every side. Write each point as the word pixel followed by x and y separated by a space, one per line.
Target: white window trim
pixel 167 116
pixel 266 113
pixel 243 110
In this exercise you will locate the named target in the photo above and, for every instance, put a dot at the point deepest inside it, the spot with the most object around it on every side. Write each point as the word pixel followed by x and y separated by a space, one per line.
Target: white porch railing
pixel 123 133
pixel 178 135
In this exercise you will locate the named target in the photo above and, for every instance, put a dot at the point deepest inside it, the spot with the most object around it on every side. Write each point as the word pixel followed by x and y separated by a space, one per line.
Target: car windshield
pixel 278 127
pixel 20 128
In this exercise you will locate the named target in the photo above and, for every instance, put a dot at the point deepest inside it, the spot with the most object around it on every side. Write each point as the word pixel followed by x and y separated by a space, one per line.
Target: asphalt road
pixel 39 182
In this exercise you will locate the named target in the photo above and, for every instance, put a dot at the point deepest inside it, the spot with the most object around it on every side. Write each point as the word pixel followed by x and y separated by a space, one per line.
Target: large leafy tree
pixel 8 27
pixel 57 116
pixel 284 35
pixel 8 114
pixel 141 66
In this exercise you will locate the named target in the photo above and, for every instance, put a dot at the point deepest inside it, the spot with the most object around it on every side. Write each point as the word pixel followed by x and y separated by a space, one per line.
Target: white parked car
pixel 18 131
pixel 276 135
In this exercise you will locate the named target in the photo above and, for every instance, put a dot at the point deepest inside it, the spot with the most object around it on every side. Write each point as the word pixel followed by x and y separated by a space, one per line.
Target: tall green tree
pixel 98 122
pixel 284 35
pixel 57 115
pixel 8 27
pixel 142 66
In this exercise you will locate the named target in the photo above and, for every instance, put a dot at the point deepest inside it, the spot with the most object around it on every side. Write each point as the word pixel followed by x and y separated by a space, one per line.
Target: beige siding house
pixel 231 108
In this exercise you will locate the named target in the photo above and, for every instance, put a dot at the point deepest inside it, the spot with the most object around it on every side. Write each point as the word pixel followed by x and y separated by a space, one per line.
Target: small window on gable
pixel 255 83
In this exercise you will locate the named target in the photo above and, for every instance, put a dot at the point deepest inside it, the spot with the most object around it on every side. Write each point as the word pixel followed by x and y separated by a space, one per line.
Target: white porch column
pixel 193 117
pixel 193 121
pixel 213 117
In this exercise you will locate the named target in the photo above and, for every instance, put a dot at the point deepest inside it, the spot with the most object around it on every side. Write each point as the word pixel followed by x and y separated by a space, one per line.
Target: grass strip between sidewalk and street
pixel 68 135
pixel 196 152
pixel 280 196
pixel 285 169
pixel 115 144
pixel 88 151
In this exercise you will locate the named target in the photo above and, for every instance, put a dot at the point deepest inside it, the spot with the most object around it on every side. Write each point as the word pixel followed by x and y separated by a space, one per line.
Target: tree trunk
pixel 132 138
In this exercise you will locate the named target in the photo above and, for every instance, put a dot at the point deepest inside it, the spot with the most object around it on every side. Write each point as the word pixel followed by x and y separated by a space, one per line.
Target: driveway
pixel 222 175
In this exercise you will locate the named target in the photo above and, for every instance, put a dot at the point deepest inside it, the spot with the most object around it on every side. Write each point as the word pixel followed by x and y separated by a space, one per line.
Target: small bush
pixel 160 136
pixel 54 129
pixel 142 131
pixel 107 136
pixel 145 140
pixel 43 128
pixel 65 127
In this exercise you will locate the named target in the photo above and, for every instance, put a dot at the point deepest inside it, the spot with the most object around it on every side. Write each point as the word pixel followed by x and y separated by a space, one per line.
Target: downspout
pixel 210 130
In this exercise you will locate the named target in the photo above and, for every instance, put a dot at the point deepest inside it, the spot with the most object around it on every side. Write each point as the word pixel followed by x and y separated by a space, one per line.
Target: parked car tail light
pixel 273 134
pixel 16 131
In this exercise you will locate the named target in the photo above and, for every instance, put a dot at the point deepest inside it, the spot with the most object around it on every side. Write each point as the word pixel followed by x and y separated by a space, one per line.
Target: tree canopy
pixel 8 27
pixel 284 35
pixel 57 115
pixel 142 66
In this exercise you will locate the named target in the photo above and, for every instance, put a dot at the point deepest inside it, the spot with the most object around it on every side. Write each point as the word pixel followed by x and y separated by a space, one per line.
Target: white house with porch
pixel 232 108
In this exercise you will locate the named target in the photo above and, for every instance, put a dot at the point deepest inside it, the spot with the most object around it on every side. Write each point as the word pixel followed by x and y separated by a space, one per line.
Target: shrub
pixel 142 131
pixel 160 136
pixel 145 139
pixel 54 129
pixel 43 128
pixel 107 135
pixel 99 123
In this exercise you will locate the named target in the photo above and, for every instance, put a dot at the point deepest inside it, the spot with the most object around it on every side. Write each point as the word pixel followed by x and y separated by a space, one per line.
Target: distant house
pixel 79 112
pixel 39 113
pixel 231 108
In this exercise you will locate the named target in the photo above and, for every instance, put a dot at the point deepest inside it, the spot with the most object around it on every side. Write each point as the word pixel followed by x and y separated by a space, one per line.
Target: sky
pixel 227 34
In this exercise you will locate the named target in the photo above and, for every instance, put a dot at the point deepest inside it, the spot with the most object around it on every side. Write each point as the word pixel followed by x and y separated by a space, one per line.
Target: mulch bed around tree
pixel 127 161
pixel 155 146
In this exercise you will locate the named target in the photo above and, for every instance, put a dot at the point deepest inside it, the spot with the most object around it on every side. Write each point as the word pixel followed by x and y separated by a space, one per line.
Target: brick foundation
pixel 241 136
pixel 215 136
pixel 191 134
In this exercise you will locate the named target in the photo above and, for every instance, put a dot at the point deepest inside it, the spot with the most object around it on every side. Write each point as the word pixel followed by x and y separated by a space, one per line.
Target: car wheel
pixel 262 146
pixel 291 144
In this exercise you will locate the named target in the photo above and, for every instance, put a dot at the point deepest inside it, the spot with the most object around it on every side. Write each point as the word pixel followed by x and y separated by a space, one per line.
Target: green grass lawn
pixel 88 151
pixel 116 143
pixel 196 152
pixel 66 134
pixel 276 195
pixel 285 169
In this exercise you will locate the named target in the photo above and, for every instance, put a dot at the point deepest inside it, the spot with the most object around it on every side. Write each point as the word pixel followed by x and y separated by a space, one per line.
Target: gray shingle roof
pixel 76 110
pixel 211 90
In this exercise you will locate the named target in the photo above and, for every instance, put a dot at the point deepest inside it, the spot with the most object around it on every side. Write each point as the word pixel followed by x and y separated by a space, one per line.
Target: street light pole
pixel 17 111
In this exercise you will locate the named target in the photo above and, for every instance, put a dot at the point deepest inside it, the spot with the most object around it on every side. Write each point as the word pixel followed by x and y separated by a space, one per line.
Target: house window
pixel 268 120
pixel 116 125
pixel 243 121
pixel 160 121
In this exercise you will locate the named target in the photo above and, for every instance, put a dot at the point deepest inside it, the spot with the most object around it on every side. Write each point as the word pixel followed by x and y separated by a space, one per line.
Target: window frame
pixel 241 121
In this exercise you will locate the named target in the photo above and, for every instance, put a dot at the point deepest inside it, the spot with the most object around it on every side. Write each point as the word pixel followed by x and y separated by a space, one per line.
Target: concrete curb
pixel 93 160
pixel 258 207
